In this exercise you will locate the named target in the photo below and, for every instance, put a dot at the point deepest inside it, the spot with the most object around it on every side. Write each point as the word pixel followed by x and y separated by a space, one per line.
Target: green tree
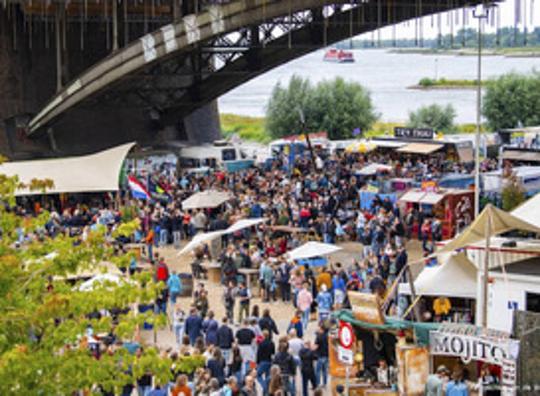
pixel 511 100
pixel 440 118
pixel 337 107
pixel 44 313
pixel 282 110
pixel 513 193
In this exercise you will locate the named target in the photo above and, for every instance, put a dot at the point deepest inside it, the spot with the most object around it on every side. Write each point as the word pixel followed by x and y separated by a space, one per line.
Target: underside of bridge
pixel 83 75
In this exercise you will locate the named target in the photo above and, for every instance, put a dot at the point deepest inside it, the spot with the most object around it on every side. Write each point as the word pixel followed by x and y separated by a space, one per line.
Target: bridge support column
pixel 203 126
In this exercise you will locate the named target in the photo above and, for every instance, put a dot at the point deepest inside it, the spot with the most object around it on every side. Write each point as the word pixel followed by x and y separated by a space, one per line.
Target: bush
pixel 513 100
pixel 426 82
pixel 440 118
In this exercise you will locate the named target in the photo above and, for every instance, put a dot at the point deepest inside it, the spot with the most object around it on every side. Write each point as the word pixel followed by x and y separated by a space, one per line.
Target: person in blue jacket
pixel 193 326
pixel 174 284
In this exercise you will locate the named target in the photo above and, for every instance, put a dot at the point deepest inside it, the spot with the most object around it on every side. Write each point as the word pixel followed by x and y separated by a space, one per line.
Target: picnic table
pixel 213 271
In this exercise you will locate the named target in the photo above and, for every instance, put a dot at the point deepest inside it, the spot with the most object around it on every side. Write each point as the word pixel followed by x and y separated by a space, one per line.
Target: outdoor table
pixel 249 275
pixel 213 271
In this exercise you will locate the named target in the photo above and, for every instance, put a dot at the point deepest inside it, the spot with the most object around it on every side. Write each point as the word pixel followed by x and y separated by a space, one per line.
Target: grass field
pixel 252 128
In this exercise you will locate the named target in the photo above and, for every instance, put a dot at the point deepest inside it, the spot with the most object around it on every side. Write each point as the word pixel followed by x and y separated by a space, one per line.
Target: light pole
pixel 481 13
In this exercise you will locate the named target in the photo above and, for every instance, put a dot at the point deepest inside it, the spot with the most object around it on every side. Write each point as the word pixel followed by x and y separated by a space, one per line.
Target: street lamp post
pixel 481 13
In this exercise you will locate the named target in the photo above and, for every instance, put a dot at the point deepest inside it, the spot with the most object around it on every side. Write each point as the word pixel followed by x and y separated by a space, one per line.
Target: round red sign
pixel 346 335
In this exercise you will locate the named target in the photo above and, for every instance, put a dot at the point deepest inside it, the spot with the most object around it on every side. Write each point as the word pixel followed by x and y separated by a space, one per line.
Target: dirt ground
pixel 281 312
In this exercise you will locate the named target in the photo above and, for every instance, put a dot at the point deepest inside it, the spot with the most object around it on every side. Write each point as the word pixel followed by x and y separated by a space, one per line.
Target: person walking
pixel 307 359
pixel 244 298
pixel 210 328
pixel 216 365
pixel 225 339
pixel 321 349
pixel 324 303
pixel 265 353
pixel 174 284
pixel 287 367
pixel 193 326
pixel 179 321
pixel 245 338
pixel 228 300
pixel 304 301
pixel 268 324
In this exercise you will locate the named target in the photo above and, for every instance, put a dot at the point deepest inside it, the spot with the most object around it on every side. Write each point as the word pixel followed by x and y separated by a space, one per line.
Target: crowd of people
pixel 244 352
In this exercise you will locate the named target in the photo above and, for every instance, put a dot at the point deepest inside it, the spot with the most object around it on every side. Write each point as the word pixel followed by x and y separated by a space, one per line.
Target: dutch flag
pixel 138 190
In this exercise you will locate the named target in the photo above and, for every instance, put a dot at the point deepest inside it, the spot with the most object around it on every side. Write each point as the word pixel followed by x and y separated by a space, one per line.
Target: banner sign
pixel 467 347
pixel 414 133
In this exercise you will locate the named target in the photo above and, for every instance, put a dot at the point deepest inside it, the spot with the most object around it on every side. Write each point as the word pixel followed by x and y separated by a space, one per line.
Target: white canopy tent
pixel 99 280
pixel 206 199
pixel 206 237
pixel 243 223
pixel 87 173
pixel 455 277
pixel 200 239
pixel 528 211
pixel 372 169
pixel 312 249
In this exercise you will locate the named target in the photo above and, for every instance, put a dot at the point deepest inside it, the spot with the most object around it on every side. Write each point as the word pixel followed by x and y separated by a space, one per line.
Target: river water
pixel 387 76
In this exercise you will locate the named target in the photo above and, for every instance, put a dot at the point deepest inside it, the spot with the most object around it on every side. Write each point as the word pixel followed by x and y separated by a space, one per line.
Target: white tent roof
pixel 372 169
pixel 206 199
pixel 312 249
pixel 205 237
pixel 87 173
pixel 456 277
pixel 243 223
pixel 200 239
pixel 528 211
pixel 100 279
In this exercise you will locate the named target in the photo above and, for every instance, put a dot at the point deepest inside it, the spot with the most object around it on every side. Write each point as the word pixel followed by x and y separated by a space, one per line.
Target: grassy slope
pixel 252 128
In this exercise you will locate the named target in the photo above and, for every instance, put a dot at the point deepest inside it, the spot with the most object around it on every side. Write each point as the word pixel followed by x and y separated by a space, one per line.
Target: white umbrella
pixel 200 239
pixel 372 169
pixel 206 199
pixel 243 223
pixel 90 284
pixel 312 249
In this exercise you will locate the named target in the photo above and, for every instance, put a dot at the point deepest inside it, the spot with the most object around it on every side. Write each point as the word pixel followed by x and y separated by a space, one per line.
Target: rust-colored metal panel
pixel 366 307
pixel 413 369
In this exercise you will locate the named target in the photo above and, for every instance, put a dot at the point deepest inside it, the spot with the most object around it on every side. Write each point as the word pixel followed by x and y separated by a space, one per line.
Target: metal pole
pixel 115 24
pixel 480 16
pixel 485 280
pixel 58 48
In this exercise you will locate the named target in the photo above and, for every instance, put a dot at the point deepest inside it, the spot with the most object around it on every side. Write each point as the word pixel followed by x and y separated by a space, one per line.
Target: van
pixel 219 155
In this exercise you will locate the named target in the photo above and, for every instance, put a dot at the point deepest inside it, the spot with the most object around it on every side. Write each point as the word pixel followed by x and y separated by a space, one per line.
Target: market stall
pixel 453 207
pixel 371 354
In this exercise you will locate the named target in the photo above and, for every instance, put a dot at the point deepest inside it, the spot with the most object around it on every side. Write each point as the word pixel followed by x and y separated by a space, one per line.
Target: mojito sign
pixel 468 347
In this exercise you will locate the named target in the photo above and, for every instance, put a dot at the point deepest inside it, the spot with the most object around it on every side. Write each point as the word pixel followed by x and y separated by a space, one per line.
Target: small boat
pixel 338 56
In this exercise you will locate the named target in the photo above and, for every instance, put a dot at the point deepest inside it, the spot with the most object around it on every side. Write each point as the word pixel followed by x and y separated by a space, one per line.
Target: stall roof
pixel 413 196
pixel 432 198
pixel 88 173
pixel 517 155
pixel 419 196
pixel 456 277
pixel 420 148
pixel 524 210
pixel 372 169
pixel 388 143
pixel 312 249
pixel 421 329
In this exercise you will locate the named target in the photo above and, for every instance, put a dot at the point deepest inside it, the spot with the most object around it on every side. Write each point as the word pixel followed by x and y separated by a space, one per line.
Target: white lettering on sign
pixel 169 38
pixel 473 348
pixel 149 47
pixel 191 25
pixel 216 15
